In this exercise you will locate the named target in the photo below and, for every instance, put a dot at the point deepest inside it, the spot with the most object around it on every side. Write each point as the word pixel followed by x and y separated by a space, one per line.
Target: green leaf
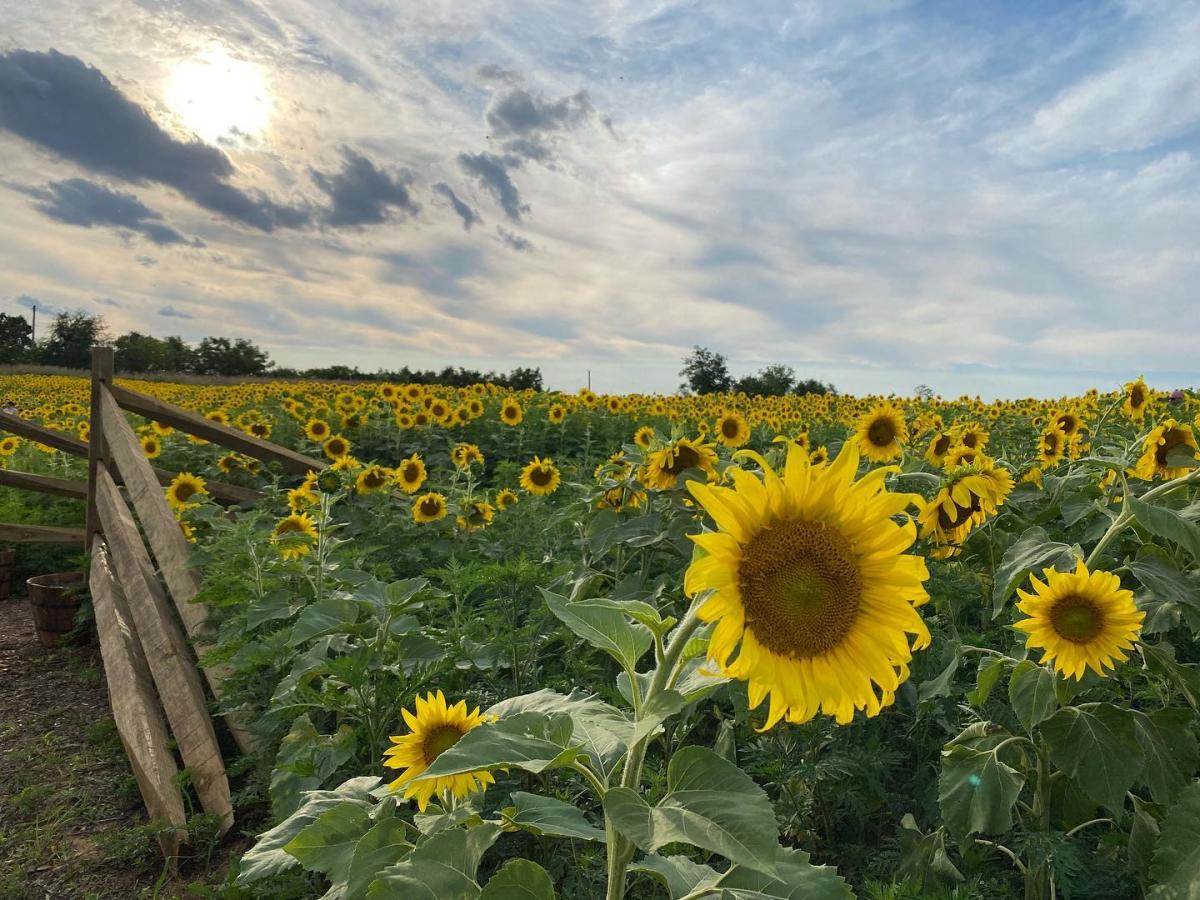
pixel 1182 456
pixel 1097 748
pixel 660 708
pixel 602 626
pixel 602 731
pixel 1031 694
pixel 277 604
pixel 326 616
pixel 976 791
pixel 384 845
pixel 795 878
pixel 441 868
pixel 1144 830
pixel 940 686
pixel 1167 523
pixel 1160 658
pixel 534 742
pixel 327 845
pixel 678 874
pixel 1032 551
pixel 519 879
pixel 1169 590
pixel 640 611
pixel 1166 739
pixel 546 815
pixel 988 676
pixel 710 803
pixel 305 759
pixel 922 855
pixel 1176 866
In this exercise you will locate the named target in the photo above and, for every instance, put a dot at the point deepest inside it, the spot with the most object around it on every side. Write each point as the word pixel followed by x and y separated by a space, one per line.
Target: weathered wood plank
pixel 102 373
pixel 134 704
pixel 44 484
pixel 167 652
pixel 57 439
pixel 194 424
pixel 40 534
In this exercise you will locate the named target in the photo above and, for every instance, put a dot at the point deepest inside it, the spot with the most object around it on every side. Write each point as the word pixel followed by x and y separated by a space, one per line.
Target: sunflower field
pixel 539 645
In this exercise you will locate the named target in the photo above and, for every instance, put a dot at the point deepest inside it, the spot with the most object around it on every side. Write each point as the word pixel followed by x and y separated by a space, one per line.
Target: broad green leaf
pixel 1166 739
pixel 678 874
pixel 660 708
pixel 1169 592
pixel 327 845
pixel 940 686
pixel 1031 552
pixel 399 594
pixel 601 730
pixel 1167 523
pixel 988 676
pixel 530 741
pixel 436 819
pixel 1182 456
pixel 305 759
pixel 416 650
pixel 519 879
pixel 1176 866
pixel 384 845
pixel 795 878
pixel 710 803
pixel 328 615
pixel 922 855
pixel 1098 748
pixel 1031 693
pixel 976 791
pixel 546 815
pixel 441 868
pixel 277 604
pixel 306 666
pixel 1160 658
pixel 602 626
pixel 1144 830
pixel 640 611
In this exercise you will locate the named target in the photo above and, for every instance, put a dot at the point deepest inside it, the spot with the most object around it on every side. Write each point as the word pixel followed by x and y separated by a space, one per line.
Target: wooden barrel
pixel 54 603
pixel 8 559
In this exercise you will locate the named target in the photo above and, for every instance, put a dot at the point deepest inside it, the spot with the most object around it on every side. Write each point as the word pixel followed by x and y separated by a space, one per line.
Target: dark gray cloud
pixel 493 72
pixel 170 312
pixel 77 201
pixel 362 193
pixel 491 171
pixel 515 241
pixel 465 211
pixel 72 110
pixel 527 123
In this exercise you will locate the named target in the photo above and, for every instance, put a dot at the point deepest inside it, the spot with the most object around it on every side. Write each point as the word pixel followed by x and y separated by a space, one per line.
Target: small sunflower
pixel 939 446
pixel 732 429
pixel 336 447
pixel 1080 620
pixel 410 474
pixel 475 515
pixel 229 463
pixel 557 414
pixel 663 467
pixel 182 489
pixel 429 507
pixel 466 455
pixel 259 430
pixel 151 447
pixel 1052 447
pixel 1137 398
pixel 291 528
pixel 373 479
pixel 1033 476
pixel 968 496
pixel 511 412
pixel 810 586
pixel 820 456
pixel 644 437
pixel 540 477
pixel 9 445
pixel 317 430
pixel 506 498
pixel 1164 447
pixel 434 729
pixel 881 433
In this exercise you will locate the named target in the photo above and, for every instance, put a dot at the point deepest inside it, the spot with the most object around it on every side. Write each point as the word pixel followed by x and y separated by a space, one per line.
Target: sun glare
pixel 216 96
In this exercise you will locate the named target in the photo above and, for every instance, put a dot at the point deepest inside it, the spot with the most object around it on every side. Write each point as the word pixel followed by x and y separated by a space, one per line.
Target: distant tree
pixel 924 392
pixel 522 379
pixel 16 338
pixel 177 355
pixel 72 337
pixel 220 356
pixel 772 381
pixel 705 372
pixel 136 352
pixel 812 386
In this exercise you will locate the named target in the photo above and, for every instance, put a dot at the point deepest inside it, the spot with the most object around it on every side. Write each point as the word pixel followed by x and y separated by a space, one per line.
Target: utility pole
pixel 589 371
pixel 33 327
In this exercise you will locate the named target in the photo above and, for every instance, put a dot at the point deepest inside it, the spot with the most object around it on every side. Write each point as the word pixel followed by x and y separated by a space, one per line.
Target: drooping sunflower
pixel 160 428
pixel 410 474
pixel 1052 447
pixel 617 467
pixel 151 447
pixel 429 507
pixel 540 477
pixel 294 527
pixel 1033 476
pixel 1169 443
pixel 182 489
pixel 1137 398
pixel 663 467
pixel 811 586
pixel 475 515
pixel 506 498
pixel 1080 620
pixel 621 497
pixel 511 412
pixel 373 479
pixel 434 729
pixel 939 446
pixel 336 447
pixel 317 430
pixel 732 429
pixel 644 437
pixel 881 433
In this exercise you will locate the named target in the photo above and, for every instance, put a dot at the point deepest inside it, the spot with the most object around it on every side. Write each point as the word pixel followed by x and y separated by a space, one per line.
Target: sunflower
pixel 151 447
pixel 160 428
pixel 475 407
pixel 881 433
pixel 429 507
pixel 973 437
pixel 644 437
pixel 511 412
pixel 1033 476
pixel 465 455
pixel 1164 447
pixel 219 416
pixel 811 586
pixel 336 447
pixel 373 479
pixel 616 468
pixel 967 497
pixel 964 456
pixel 939 446
pixel 1052 447
pixel 820 456
pixel 291 528
pixel 434 729
pixel 732 429
pixel 302 497
pixel 1137 398
pixel 540 477
pixel 259 430
pixel 229 463
pixel 663 467
pixel 410 474
pixel 189 533
pixel 9 445
pixel 621 497
pixel 1080 620
pixel 475 515
pixel 506 498
pixel 557 413
pixel 317 430
pixel 182 489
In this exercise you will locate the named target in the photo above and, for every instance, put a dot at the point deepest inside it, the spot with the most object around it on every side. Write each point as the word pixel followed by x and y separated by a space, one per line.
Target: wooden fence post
pixel 102 374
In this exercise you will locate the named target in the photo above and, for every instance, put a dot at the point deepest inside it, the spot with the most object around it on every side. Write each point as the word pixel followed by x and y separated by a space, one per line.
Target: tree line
pixel 72 336
pixel 707 372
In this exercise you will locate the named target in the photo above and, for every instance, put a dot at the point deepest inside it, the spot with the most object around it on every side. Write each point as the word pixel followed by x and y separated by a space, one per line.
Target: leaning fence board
pixel 44 484
pixel 167 652
pixel 40 534
pixel 56 439
pixel 198 426
pixel 134 704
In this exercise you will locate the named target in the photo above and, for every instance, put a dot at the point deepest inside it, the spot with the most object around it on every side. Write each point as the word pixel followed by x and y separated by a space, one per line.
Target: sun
pixel 216 95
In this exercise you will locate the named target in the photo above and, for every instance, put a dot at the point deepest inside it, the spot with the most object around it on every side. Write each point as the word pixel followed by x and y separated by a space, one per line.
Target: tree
pixel 772 381
pixel 705 372
pixel 135 353
pixel 177 355
pixel 15 338
pixel 524 379
pixel 72 337
pixel 220 356
pixel 812 386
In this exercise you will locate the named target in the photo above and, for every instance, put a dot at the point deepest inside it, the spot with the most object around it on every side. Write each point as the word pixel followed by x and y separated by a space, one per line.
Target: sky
pixel 988 198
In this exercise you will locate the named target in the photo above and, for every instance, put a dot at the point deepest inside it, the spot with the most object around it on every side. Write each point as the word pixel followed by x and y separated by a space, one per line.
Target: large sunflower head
pixel 663 467
pixel 1137 398
pixel 429 507
pixel 813 596
pixel 732 429
pixel 434 728
pixel 1164 449
pixel 1080 620
pixel 644 437
pixel 540 477
pixel 410 474
pixel 182 489
pixel 295 534
pixel 556 414
pixel 881 433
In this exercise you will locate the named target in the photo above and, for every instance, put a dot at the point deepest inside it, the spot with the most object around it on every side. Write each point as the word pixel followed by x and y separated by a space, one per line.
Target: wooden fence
pixel 143 589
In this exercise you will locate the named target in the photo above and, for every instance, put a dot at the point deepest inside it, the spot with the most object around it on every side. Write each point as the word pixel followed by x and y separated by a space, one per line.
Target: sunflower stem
pixel 1125 516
